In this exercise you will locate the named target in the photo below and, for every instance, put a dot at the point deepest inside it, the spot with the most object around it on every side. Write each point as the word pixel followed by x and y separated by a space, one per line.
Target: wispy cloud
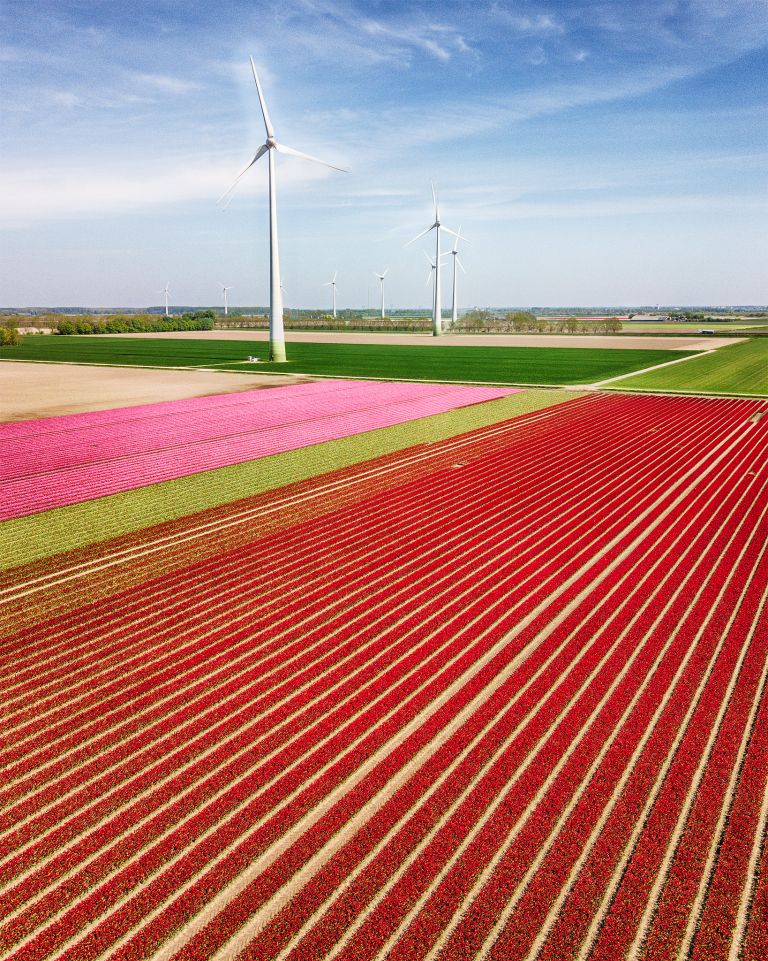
pixel 165 83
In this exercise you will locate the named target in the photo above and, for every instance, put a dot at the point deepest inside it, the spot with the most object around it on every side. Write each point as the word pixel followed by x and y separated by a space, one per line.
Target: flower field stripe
pixel 489 869
pixel 749 935
pixel 325 489
pixel 629 771
pixel 619 872
pixel 414 910
pixel 669 933
pixel 311 749
pixel 28 545
pixel 631 764
pixel 304 491
pixel 141 603
pixel 723 920
pixel 272 952
pixel 248 413
pixel 72 422
pixel 289 422
pixel 80 949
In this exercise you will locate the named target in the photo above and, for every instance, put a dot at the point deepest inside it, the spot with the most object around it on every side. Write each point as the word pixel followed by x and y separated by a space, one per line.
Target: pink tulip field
pixel 56 461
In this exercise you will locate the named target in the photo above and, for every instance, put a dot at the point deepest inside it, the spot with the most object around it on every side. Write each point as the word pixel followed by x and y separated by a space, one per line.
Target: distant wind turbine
pixel 381 282
pixel 165 291
pixel 432 275
pixel 332 285
pixel 455 254
pixel 224 290
pixel 437 311
pixel 276 329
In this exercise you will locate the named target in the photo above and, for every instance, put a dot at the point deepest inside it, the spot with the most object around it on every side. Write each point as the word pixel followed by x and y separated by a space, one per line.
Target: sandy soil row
pixel 29 391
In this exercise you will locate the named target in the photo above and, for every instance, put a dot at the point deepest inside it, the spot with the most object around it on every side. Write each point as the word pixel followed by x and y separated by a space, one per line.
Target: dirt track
pixel 29 391
pixel 647 342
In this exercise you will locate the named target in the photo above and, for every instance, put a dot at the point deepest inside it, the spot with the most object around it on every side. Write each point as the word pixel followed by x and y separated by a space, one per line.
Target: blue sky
pixel 595 152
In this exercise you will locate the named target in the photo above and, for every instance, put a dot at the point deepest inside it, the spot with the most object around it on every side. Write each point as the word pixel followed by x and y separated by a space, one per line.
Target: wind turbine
pixel 225 289
pixel 332 285
pixel 270 146
pixel 455 254
pixel 437 310
pixel 165 291
pixel 433 269
pixel 381 281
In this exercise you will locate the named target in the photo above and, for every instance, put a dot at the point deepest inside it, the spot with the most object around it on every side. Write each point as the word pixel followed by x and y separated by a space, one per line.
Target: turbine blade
pixel 386 271
pixel 451 232
pixel 418 236
pixel 461 265
pixel 305 156
pixel 227 193
pixel 429 277
pixel 335 275
pixel 434 198
pixel 262 102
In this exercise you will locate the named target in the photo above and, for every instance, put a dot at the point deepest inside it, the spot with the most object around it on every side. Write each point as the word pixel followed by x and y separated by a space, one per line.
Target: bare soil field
pixel 29 391
pixel 647 342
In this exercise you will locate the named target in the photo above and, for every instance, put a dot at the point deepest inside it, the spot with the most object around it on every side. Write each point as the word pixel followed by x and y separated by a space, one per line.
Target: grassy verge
pixel 736 369
pixel 27 539
pixel 492 364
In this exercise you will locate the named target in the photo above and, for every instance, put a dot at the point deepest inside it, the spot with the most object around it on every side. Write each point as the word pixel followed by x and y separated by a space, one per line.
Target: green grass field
pixel 738 369
pixel 493 364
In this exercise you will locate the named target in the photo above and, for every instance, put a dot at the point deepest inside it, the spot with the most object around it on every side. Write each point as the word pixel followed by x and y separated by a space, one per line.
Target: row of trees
pixel 138 324
pixel 523 321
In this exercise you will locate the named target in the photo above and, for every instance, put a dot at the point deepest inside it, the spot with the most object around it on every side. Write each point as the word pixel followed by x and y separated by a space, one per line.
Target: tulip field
pixel 56 461
pixel 499 696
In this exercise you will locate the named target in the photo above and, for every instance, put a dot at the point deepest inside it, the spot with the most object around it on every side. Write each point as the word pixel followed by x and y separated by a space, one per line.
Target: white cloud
pixel 165 83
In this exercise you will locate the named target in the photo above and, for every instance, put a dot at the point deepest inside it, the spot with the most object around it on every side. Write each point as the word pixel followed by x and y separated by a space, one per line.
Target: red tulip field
pixel 499 696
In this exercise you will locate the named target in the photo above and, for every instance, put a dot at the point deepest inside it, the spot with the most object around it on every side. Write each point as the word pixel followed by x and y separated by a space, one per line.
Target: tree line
pixel 136 324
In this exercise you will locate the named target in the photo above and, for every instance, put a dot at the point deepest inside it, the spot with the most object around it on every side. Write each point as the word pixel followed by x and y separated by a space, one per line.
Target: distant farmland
pixel 493 364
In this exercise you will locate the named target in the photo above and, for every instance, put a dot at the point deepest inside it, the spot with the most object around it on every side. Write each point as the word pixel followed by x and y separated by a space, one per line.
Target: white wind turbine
pixel 381 282
pixel 276 329
pixel 224 291
pixel 332 285
pixel 455 254
pixel 437 310
pixel 165 291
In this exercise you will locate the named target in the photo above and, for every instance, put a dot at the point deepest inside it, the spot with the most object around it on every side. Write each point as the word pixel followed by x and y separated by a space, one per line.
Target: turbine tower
pixel 224 290
pixel 165 291
pixel 437 309
pixel 431 275
pixel 270 146
pixel 455 255
pixel 381 281
pixel 332 285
